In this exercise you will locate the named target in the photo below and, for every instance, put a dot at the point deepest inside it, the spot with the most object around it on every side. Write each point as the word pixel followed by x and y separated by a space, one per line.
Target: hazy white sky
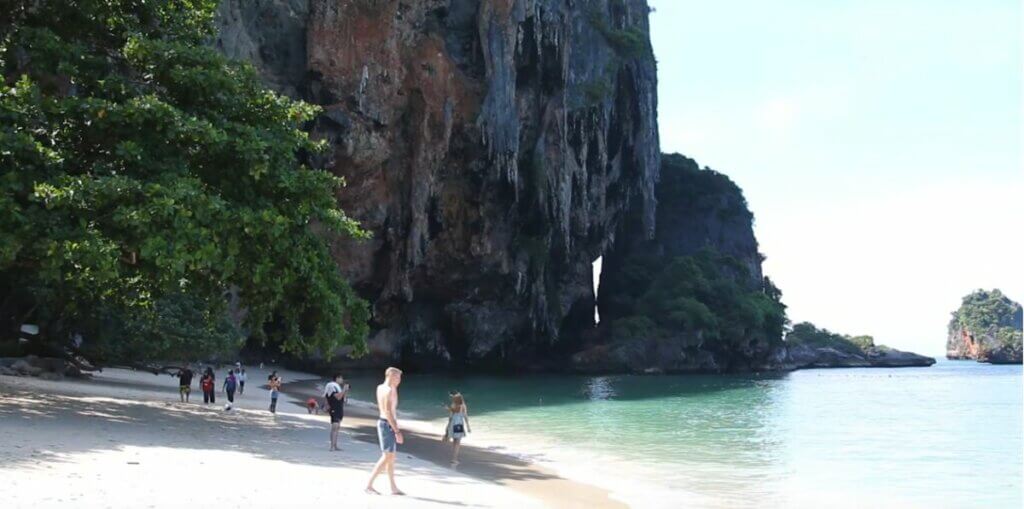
pixel 878 143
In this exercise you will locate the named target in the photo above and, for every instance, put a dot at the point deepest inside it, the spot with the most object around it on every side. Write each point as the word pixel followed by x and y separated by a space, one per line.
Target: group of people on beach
pixel 334 396
pixel 234 383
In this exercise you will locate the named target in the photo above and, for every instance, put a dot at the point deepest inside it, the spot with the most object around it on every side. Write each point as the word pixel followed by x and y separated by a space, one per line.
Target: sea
pixel 945 436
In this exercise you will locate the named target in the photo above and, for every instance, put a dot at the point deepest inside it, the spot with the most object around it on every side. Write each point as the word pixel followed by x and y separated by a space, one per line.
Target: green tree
pixel 175 327
pixel 806 333
pixel 706 293
pixel 137 163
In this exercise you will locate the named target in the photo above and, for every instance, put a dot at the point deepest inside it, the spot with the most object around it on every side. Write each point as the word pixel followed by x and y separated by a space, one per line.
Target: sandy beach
pixel 123 439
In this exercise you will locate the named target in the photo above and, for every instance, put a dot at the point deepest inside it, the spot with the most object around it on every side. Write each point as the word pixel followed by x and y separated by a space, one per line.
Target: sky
pixel 878 144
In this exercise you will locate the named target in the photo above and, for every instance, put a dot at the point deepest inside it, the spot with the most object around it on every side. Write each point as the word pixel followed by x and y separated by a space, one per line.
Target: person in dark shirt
pixel 207 384
pixel 335 393
pixel 184 383
pixel 230 384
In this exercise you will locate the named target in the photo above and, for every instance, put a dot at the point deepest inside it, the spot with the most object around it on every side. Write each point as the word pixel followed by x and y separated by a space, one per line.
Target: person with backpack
pixel 206 383
pixel 230 384
pixel 335 393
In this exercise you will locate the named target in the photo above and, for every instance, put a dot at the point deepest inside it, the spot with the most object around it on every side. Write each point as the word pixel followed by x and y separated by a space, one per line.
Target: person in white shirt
pixel 335 394
pixel 241 382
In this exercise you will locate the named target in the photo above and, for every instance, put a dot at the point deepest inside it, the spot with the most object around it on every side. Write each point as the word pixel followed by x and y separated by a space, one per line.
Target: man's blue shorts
pixel 386 436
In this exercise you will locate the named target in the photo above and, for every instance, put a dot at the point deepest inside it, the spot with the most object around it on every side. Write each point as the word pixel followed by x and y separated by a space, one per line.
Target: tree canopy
pixel 137 165
pixel 992 313
pixel 806 333
pixel 704 293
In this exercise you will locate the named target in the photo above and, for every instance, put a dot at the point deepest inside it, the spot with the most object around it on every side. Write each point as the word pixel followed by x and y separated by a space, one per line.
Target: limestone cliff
pixel 492 147
pixel 692 298
pixel 986 328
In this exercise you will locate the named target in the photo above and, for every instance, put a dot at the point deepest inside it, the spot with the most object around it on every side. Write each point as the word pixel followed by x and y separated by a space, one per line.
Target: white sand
pixel 124 440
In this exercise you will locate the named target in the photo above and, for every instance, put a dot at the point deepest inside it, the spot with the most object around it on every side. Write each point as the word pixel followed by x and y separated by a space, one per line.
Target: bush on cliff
pixel 983 309
pixel 700 295
pixel 138 164
pixel 991 314
pixel 805 333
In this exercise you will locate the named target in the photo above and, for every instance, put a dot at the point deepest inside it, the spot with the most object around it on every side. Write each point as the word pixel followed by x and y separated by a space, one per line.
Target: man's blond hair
pixel 392 371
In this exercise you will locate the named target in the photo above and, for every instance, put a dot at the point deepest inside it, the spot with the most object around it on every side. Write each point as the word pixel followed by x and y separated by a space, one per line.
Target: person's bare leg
pixel 455 451
pixel 391 476
pixel 334 435
pixel 377 469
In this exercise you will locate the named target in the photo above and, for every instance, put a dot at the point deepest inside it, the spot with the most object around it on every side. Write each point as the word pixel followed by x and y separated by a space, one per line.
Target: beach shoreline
pixel 70 441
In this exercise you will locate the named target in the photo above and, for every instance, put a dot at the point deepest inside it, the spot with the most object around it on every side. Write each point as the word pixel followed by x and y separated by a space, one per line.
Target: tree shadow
pixel 108 424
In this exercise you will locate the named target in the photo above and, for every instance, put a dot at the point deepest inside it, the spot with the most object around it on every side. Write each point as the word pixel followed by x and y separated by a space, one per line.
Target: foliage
pixel 805 333
pixel 991 312
pixel 703 189
pixel 629 42
pixel 634 327
pixel 597 90
pixel 602 86
pixel 703 293
pixel 982 310
pixel 136 163
pixel 175 327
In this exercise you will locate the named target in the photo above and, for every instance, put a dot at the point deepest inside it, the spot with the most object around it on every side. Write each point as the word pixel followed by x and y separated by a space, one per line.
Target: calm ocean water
pixel 945 436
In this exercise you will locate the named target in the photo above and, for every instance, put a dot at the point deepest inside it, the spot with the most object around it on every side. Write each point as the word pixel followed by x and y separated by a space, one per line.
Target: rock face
pixel 492 147
pixel 697 209
pixel 986 328
pixel 807 346
pixel 807 356
pixel 692 298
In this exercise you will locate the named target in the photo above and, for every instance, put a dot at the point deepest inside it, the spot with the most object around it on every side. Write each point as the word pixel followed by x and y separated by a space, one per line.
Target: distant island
pixel 986 328
pixel 810 347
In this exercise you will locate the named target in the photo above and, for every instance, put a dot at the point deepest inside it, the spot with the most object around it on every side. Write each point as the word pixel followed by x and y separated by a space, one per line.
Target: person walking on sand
pixel 241 382
pixel 388 433
pixel 184 383
pixel 275 390
pixel 206 383
pixel 458 424
pixel 230 384
pixel 335 393
pixel 448 425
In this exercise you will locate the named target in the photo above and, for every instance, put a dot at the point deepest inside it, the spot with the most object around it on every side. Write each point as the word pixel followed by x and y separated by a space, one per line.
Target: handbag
pixel 458 428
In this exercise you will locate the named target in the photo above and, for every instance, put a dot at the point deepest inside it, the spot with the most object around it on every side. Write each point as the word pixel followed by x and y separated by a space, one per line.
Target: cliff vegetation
pixel 986 327
pixel 144 176
pixel 807 346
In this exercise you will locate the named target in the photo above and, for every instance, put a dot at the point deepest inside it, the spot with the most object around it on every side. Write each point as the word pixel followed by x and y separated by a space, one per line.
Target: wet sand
pixel 504 469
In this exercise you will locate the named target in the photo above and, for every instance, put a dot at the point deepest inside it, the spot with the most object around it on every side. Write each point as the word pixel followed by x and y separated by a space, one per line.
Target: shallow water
pixel 945 436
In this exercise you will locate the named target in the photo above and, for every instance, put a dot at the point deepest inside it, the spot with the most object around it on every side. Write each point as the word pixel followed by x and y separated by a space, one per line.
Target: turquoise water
pixel 945 436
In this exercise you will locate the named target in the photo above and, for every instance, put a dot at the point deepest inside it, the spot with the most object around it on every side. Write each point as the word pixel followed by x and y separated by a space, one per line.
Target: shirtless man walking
pixel 388 433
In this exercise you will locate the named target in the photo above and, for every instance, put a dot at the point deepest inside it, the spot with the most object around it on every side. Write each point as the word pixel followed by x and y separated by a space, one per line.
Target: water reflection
pixel 598 388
